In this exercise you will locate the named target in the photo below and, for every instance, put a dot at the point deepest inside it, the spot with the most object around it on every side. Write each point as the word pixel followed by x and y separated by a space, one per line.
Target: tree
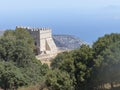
pixel 58 80
pixel 17 46
pixel 83 61
pixel 35 73
pixel 107 60
pixel 110 65
pixel 103 42
pixel 10 76
pixel 78 64
pixel 65 62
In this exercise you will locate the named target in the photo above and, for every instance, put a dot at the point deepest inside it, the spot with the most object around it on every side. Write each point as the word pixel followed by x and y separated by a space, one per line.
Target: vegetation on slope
pixel 86 68
pixel 91 68
pixel 18 65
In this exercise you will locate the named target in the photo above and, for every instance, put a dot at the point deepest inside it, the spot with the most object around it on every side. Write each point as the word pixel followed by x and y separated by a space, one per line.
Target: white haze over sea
pixel 86 19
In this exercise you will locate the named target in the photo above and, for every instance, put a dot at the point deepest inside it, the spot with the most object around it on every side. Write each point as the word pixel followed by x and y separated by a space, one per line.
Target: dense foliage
pixel 10 76
pixel 91 68
pixel 78 64
pixel 107 60
pixel 58 80
pixel 86 68
pixel 18 65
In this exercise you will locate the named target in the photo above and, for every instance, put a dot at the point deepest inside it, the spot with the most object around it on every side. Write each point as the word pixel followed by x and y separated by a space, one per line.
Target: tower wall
pixel 43 39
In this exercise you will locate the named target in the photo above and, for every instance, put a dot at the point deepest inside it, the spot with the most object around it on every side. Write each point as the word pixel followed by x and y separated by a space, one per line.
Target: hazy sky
pixel 87 19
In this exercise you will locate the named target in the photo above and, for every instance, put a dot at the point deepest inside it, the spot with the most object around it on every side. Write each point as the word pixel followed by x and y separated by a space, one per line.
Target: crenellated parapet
pixel 34 29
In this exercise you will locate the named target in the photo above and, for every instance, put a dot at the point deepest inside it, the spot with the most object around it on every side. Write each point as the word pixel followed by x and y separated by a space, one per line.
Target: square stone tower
pixel 43 39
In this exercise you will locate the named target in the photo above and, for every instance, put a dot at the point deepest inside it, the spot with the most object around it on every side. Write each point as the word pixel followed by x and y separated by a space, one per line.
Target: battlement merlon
pixel 35 29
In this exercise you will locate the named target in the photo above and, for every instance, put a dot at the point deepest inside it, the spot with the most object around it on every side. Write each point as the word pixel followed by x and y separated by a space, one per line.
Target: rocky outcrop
pixel 67 42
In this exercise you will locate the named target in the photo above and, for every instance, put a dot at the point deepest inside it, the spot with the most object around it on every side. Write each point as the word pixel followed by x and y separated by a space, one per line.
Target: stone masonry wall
pixel 43 39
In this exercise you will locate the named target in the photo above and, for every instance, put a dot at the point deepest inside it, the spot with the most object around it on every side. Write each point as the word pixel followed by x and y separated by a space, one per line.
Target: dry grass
pixel 30 88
